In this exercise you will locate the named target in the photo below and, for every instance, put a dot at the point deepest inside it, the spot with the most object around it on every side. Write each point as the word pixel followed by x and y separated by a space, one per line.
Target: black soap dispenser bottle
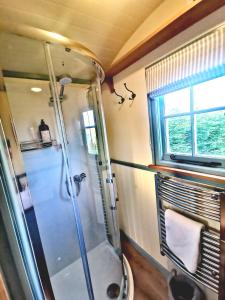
pixel 45 135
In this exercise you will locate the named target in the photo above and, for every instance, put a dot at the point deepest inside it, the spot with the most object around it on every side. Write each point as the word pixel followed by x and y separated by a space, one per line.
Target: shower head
pixel 65 79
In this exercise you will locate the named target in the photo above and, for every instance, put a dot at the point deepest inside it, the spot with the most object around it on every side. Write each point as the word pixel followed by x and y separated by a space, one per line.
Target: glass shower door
pixel 65 187
pixel 88 172
pixel 44 193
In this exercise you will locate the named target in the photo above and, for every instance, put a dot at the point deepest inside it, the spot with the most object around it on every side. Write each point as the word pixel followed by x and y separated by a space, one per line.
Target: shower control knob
pixel 77 180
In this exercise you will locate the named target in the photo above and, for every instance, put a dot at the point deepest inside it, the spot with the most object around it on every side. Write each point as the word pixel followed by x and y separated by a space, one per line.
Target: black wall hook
pixel 133 95
pixel 122 99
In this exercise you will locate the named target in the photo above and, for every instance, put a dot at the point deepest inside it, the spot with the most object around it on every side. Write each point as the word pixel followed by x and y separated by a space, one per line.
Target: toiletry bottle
pixel 45 134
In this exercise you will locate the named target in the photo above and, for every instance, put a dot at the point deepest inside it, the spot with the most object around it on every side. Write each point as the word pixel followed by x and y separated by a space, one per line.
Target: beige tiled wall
pixel 129 140
pixel 137 209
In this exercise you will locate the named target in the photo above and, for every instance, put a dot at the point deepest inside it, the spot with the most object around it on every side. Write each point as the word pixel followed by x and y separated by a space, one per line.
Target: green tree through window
pixel 192 122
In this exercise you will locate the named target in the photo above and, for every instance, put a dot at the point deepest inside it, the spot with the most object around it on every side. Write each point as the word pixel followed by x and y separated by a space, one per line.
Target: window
pixel 189 125
pixel 90 132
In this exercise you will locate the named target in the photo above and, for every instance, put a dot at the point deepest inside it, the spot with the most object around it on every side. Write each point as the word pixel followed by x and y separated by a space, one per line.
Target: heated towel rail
pixel 200 201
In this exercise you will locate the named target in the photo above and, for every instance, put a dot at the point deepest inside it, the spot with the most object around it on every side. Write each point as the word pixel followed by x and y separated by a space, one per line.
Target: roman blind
pixel 207 54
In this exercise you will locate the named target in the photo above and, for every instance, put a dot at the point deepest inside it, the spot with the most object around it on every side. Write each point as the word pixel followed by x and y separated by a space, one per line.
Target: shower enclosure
pixel 65 188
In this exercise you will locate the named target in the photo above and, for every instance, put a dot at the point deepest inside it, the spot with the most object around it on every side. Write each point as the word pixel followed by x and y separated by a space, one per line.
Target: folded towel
pixel 183 238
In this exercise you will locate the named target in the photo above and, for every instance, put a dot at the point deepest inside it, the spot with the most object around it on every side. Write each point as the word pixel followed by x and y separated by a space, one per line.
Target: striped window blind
pixel 202 57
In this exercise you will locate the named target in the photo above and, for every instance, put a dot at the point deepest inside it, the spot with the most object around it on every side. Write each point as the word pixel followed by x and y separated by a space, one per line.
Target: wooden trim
pixel 187 173
pixel 222 247
pixel 193 15
pixel 3 290
pixel 222 271
pixel 110 83
pixel 222 217
pixel 181 172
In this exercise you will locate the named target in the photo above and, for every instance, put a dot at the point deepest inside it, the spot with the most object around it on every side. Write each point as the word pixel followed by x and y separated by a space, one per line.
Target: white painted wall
pixel 6 120
pixel 127 124
pixel 28 108
pixel 128 135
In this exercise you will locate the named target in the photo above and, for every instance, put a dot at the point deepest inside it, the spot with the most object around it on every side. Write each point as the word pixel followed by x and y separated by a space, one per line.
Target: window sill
pixel 187 173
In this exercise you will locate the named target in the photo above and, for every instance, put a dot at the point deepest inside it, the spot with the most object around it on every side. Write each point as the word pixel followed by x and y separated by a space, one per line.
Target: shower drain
pixel 113 291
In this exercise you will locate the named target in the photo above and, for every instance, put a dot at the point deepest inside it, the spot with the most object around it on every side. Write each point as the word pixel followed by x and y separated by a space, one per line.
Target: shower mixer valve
pixel 77 180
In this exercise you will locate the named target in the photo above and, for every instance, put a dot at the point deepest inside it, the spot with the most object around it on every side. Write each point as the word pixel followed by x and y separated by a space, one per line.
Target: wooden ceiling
pixel 180 23
pixel 103 26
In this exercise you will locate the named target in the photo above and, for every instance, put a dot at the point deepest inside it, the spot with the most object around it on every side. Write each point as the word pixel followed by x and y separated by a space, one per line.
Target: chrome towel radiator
pixel 196 201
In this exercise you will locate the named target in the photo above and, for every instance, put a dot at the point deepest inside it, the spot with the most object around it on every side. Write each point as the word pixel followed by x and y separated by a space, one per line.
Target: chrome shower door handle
pixel 77 180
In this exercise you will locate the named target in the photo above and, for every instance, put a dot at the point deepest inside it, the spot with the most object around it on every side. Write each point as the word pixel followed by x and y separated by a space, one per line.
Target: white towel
pixel 183 238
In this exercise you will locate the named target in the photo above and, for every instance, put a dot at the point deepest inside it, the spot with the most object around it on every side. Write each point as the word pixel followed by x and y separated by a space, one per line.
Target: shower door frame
pixel 104 153
pixel 109 180
pixel 97 99
pixel 71 189
pixel 17 222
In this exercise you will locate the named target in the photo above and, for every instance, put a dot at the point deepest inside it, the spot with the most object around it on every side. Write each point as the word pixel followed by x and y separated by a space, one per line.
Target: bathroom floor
pixel 104 267
pixel 149 283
